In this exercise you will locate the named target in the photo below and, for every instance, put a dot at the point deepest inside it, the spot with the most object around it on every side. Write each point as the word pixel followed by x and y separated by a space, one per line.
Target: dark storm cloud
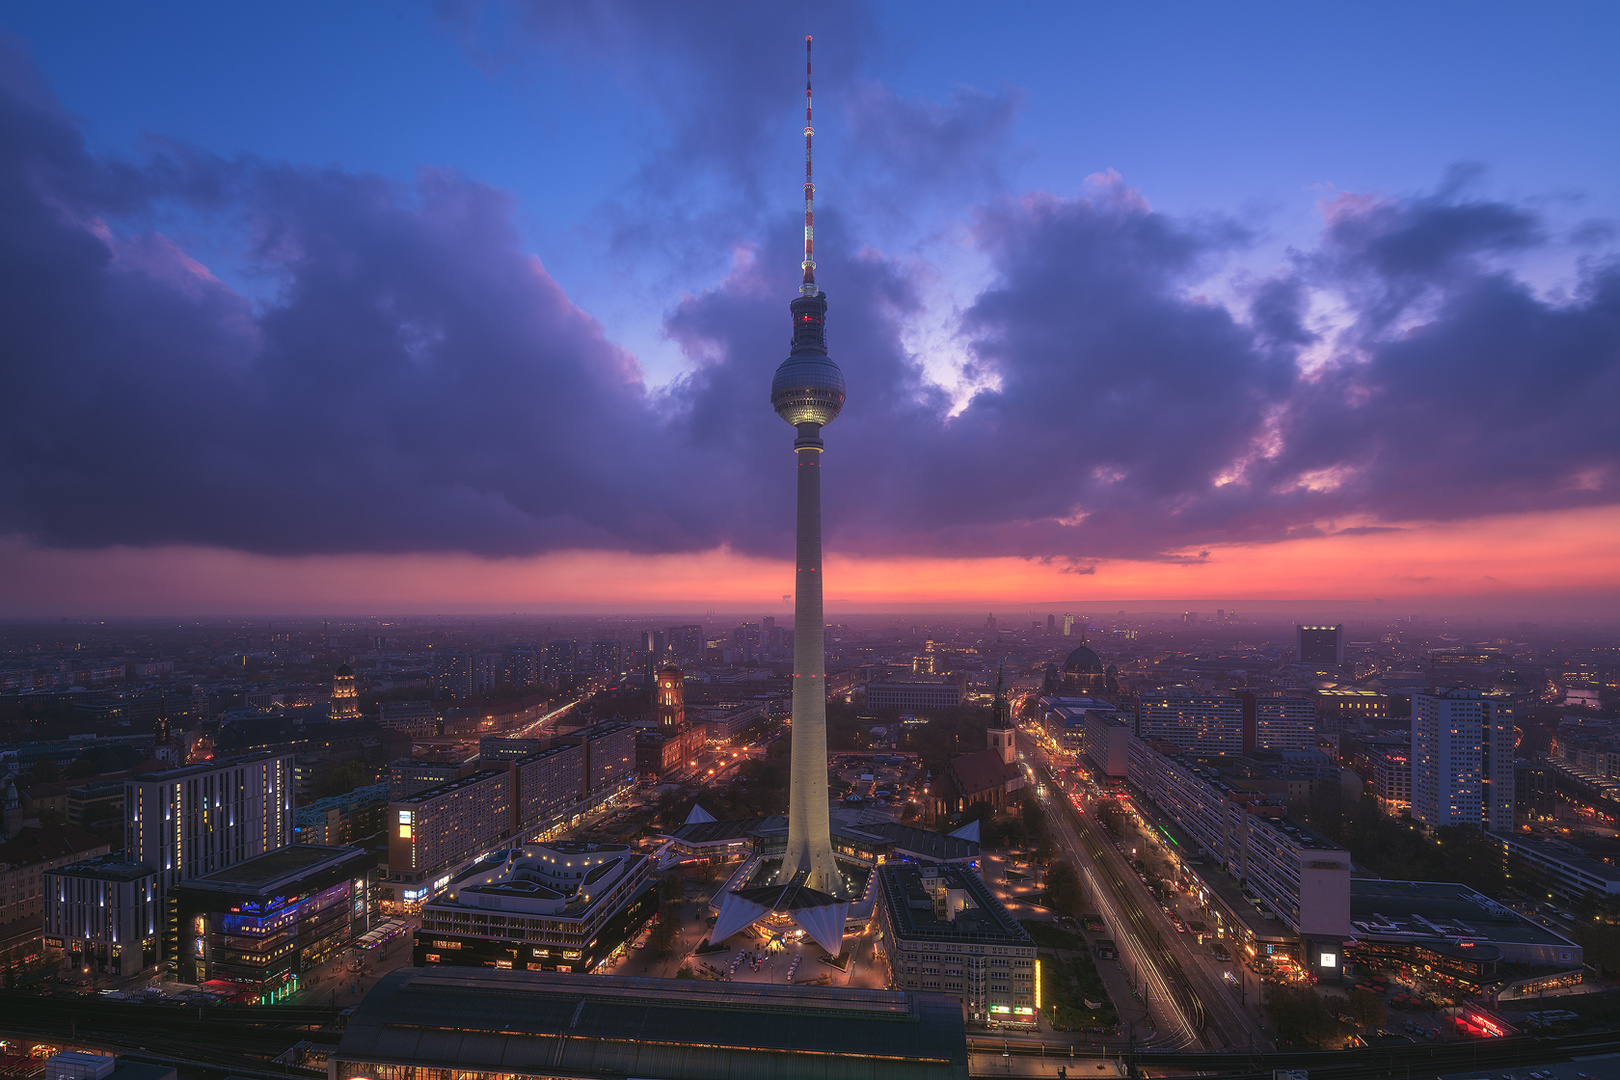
pixel 412 380
pixel 416 383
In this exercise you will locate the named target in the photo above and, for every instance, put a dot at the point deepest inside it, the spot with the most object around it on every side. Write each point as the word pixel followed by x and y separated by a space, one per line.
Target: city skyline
pixel 474 313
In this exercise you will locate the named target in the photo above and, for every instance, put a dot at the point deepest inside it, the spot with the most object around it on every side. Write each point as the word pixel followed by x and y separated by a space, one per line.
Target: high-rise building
pixel 521 666
pixel 1278 723
pixel 558 669
pixel 1068 625
pixel 686 642
pixel 1462 759
pixel 192 821
pixel 654 642
pixel 1051 624
pixel 453 675
pixel 1320 645
pixel 345 700
pixel 605 656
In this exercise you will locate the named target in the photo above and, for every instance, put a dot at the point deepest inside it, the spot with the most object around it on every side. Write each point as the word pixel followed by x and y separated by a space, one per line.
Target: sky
pixel 474 305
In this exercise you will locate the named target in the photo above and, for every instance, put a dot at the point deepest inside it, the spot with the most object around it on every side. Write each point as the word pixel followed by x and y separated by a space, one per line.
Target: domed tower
pixel 808 392
pixel 345 701
pixel 1083 671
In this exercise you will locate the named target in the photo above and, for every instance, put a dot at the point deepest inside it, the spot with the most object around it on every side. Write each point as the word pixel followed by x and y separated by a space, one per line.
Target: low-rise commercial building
pixel 565 906
pixel 1561 867
pixel 943 931
pixel 466 1023
pixel 263 922
pixel 1453 934
pixel 103 915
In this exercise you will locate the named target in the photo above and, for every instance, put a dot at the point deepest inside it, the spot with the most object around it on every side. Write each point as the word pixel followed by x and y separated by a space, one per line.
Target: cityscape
pixel 1183 641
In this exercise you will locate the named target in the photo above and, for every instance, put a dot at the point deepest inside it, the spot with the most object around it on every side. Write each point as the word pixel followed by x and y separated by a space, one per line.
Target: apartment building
pixel 1297 875
pixel 1462 759
pixel 1196 724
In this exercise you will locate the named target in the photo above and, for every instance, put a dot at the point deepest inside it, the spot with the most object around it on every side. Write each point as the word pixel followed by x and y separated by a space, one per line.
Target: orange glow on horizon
pixel 1572 554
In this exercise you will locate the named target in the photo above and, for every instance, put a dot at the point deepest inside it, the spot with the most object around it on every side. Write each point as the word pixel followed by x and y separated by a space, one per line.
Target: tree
pixel 1063 890
pixel 1367 1008
pixel 1299 1014
pixel 666 930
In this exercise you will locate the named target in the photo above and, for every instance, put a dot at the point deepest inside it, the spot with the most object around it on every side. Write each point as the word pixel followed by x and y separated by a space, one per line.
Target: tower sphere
pixel 808 388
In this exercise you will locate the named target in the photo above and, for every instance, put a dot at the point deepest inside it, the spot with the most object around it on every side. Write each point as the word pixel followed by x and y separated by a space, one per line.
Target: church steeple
pixel 1001 711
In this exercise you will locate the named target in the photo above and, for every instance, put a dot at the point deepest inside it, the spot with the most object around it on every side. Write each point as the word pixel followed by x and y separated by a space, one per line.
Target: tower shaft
pixel 809 844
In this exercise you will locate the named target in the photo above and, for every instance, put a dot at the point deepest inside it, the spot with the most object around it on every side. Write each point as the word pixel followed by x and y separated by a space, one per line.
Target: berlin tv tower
pixel 808 392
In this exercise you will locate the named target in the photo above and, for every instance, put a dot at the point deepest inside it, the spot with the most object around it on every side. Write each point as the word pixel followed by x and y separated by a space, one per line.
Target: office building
pixel 1068 625
pixel 1462 759
pixel 1196 724
pixel 103 915
pixel 566 906
pixel 493 748
pixel 1352 703
pixel 265 921
pixel 943 931
pixel 424 1023
pixel 198 819
pixel 1300 876
pixel 913 696
pixel 1319 646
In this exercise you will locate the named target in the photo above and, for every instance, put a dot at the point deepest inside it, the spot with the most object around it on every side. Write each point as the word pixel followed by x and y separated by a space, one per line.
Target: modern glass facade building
pixel 264 922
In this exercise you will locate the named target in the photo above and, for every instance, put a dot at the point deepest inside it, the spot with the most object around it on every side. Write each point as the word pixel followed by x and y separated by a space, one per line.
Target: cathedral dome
pixel 1083 662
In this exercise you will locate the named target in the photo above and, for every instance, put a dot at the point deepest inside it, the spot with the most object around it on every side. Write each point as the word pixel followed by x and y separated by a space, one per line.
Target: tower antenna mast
pixel 809 286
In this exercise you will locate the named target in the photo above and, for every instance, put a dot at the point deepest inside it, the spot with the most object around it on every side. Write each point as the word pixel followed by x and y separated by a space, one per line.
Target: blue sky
pixel 1109 282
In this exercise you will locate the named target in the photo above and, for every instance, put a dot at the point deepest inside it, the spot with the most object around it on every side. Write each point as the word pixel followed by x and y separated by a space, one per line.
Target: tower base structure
pixel 816 913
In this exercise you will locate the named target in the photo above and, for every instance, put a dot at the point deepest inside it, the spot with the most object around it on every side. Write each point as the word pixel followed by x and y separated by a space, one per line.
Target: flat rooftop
pixel 448 786
pixel 108 868
pixel 1439 909
pixel 912 913
pixel 546 1023
pixel 277 866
